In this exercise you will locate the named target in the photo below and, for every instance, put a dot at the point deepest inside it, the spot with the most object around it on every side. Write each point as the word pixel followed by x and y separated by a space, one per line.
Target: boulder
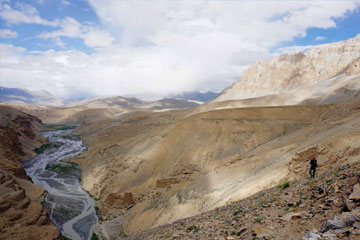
pixel 335 223
pixel 355 195
pixel 292 215
pixel 311 236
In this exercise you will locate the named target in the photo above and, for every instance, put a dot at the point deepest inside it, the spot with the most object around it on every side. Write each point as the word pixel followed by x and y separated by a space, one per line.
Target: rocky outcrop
pixel 294 70
pixel 18 139
pixel 21 214
pixel 353 68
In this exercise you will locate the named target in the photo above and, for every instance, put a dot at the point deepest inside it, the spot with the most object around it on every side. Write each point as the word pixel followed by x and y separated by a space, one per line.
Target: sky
pixel 151 49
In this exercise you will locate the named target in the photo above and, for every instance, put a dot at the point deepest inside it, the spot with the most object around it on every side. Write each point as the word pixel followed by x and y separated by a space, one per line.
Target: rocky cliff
pixel 294 70
pixel 22 216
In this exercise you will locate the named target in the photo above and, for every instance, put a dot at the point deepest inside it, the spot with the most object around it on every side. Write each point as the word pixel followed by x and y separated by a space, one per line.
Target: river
pixel 71 208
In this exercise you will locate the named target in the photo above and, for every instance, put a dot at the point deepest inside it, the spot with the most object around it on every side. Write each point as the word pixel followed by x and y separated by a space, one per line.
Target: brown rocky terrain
pixel 22 216
pixel 148 169
pixel 327 207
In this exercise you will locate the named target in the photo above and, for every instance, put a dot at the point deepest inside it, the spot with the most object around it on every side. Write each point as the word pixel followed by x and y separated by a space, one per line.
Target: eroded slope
pixel 148 169
pixel 22 216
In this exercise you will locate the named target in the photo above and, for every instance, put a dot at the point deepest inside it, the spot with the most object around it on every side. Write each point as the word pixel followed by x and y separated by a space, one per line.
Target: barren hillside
pixel 323 208
pixel 148 169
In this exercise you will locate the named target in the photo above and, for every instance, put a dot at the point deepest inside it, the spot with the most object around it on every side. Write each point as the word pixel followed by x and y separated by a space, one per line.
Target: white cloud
pixel 69 27
pixel 59 42
pixel 24 13
pixel 65 2
pixel 7 33
pixel 97 38
pixel 92 36
pixel 319 38
pixel 293 48
pixel 167 46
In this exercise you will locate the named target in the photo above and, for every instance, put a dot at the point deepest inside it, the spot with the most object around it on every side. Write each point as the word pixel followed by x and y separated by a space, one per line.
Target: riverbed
pixel 69 206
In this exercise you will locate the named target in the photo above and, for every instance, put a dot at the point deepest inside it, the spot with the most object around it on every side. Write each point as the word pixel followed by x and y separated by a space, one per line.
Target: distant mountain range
pixel 132 103
pixel 30 97
pixel 185 100
pixel 197 96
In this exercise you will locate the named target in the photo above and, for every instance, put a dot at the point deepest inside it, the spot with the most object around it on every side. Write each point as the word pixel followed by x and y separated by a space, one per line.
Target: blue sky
pixel 49 10
pixel 347 27
pixel 153 48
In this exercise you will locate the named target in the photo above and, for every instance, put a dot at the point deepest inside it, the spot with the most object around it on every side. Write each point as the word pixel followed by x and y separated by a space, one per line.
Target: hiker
pixel 313 165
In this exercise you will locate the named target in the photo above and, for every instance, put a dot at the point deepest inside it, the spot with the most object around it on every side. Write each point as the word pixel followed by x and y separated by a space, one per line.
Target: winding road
pixel 71 208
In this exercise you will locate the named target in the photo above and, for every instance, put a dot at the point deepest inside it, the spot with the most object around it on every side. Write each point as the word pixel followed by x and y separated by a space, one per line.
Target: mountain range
pixel 22 95
pixel 44 98
pixel 293 71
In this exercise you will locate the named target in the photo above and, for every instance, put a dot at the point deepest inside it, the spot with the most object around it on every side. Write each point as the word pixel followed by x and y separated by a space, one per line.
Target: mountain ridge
pixel 42 97
pixel 293 70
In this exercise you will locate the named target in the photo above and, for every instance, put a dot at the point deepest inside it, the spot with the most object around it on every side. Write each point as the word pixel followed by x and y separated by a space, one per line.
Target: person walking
pixel 313 166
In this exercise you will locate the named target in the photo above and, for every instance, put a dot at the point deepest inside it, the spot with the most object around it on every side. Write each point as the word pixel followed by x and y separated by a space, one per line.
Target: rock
pixel 175 236
pixel 262 237
pixel 336 223
pixel 353 68
pixel 4 206
pixel 356 225
pixel 356 213
pixel 291 204
pixel 292 216
pixel 349 204
pixel 311 236
pixel 349 219
pixel 242 231
pixel 355 195
pixel 340 231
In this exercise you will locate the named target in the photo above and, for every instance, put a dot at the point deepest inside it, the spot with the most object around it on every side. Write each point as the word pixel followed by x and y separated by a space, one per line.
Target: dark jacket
pixel 313 163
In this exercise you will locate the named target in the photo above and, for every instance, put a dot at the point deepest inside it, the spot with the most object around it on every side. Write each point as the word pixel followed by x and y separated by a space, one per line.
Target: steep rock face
pixel 293 70
pixel 18 139
pixel 21 215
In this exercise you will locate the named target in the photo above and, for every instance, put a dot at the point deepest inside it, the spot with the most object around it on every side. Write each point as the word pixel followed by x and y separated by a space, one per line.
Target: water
pixel 71 208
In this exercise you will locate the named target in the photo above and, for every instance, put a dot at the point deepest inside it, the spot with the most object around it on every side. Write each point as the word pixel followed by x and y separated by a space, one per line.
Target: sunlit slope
pixel 69 115
pixel 156 168
pixel 340 88
pixel 294 70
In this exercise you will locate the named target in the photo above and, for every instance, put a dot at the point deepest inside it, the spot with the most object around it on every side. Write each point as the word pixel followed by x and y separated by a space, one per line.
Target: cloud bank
pixel 151 49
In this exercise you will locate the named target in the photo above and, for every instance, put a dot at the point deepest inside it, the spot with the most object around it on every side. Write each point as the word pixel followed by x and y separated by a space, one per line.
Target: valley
pixel 177 168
